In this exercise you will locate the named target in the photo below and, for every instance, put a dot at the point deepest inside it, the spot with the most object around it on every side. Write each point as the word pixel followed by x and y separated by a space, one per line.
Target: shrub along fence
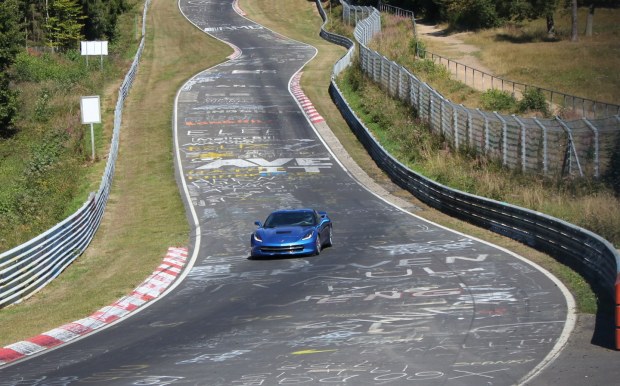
pixel 27 268
pixel 579 248
pixel 552 147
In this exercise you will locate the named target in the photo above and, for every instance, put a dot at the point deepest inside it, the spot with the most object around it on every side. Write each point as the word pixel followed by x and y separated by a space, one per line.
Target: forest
pixel 480 14
pixel 52 25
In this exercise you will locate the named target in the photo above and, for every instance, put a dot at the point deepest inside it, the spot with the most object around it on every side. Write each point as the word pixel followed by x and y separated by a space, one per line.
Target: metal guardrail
pixel 552 147
pixel 579 248
pixel 27 268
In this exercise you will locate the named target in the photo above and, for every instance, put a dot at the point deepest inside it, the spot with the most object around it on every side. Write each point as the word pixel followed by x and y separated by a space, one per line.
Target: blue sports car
pixel 292 232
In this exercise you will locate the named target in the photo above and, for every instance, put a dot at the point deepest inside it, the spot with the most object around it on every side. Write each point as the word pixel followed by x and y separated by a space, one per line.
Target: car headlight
pixel 257 237
pixel 308 235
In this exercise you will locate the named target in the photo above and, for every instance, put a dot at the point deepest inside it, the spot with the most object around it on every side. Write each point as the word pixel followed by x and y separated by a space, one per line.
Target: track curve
pixel 396 300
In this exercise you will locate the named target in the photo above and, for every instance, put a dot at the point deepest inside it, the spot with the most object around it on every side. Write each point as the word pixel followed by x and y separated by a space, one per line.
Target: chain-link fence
pixel 553 147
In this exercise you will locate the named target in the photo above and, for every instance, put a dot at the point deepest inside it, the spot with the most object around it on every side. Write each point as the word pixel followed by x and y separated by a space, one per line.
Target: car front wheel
pixel 318 244
pixel 329 242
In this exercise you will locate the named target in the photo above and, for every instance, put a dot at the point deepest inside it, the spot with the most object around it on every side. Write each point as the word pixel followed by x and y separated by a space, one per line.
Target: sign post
pixel 91 113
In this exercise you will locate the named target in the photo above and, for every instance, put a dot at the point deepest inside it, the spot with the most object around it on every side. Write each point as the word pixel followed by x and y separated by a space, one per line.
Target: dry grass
pixel 587 68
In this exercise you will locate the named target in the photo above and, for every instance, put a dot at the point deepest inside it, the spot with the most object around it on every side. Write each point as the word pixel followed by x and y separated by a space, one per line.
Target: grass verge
pixel 145 214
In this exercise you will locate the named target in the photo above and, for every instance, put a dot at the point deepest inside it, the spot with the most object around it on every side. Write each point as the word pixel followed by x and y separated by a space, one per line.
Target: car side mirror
pixel 258 223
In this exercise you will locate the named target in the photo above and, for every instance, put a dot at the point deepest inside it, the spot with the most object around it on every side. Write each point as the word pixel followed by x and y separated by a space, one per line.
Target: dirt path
pixel 459 56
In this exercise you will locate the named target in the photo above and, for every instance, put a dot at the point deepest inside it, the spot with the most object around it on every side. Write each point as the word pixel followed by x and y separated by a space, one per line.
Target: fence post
pixel 465 72
pixel 486 130
pixel 455 123
pixel 571 146
pixel 596 146
pixel 545 159
pixel 523 152
pixel 430 110
pixel 470 123
pixel 504 138
pixel 400 83
pixel 419 106
pixel 441 128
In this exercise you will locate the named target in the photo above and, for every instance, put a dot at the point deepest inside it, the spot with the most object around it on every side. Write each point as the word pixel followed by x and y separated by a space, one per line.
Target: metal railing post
pixel 596 147
pixel 504 138
pixel 523 142
pixel 571 146
pixel 545 156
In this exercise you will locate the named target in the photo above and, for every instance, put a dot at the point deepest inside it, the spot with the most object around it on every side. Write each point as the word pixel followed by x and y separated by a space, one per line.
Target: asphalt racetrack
pixel 396 301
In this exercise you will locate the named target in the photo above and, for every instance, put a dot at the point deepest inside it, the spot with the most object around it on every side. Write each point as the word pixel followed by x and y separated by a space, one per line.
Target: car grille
pixel 285 248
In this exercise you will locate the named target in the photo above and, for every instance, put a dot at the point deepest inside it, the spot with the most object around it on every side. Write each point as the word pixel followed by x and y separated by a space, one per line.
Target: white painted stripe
pixel 130 301
pixel 61 334
pixel 25 347
pixel 89 322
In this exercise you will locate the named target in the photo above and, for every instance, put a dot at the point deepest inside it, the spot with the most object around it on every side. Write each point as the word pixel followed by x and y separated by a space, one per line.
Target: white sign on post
pixel 91 113
pixel 94 48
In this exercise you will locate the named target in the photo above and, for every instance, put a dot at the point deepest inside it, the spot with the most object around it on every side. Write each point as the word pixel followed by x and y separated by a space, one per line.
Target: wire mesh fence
pixel 550 146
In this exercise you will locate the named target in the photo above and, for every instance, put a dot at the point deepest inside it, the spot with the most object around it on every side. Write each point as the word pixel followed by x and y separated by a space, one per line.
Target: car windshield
pixel 280 219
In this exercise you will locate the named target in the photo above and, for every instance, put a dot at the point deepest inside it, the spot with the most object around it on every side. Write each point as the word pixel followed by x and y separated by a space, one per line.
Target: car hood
pixel 283 234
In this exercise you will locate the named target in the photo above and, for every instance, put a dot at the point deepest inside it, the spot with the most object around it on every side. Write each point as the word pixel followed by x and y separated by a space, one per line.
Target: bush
pixel 355 78
pixel 42 109
pixel 419 47
pixel 533 99
pixel 30 68
pixel 472 14
pixel 498 100
pixel 431 69
pixel 8 105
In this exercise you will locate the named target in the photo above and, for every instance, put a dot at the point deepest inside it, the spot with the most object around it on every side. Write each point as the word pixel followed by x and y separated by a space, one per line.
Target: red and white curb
pixel 151 288
pixel 303 100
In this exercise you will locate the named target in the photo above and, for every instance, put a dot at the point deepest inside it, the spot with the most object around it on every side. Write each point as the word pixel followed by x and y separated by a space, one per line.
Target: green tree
pixel 102 17
pixel 534 9
pixel 592 5
pixel 472 14
pixel 34 17
pixel 64 26
pixel 10 45
pixel 8 105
